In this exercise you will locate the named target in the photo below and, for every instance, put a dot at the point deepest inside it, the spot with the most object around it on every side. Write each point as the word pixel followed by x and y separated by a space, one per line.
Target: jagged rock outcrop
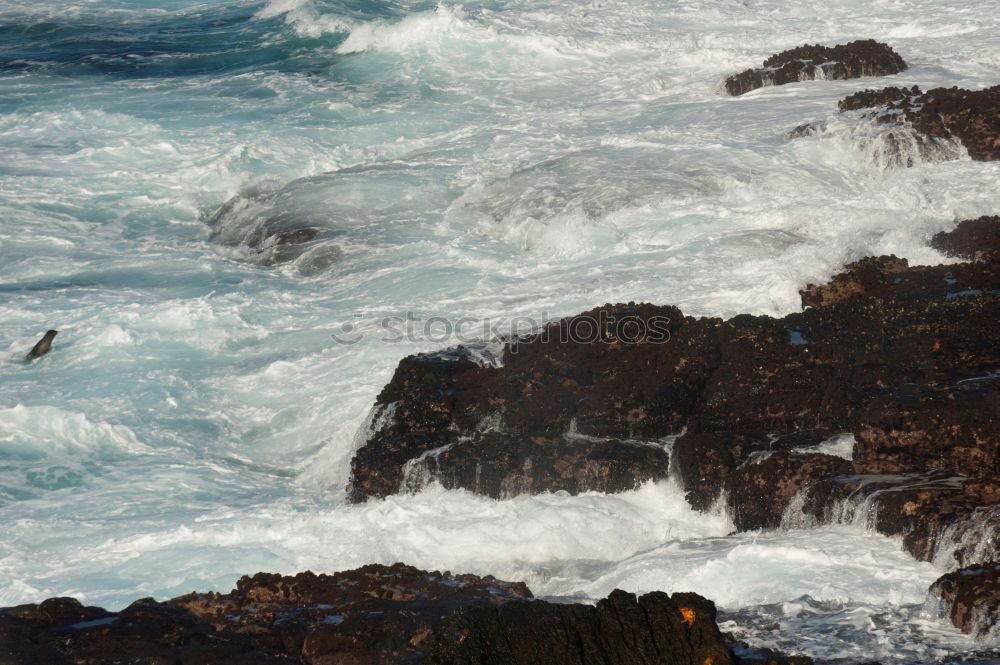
pixel 941 517
pixel 904 358
pixel 655 629
pixel 374 615
pixel 970 117
pixel 971 599
pixel 757 379
pixel 501 466
pixel 580 400
pixel 864 57
pixel 892 277
pixel 972 239
pixel 758 494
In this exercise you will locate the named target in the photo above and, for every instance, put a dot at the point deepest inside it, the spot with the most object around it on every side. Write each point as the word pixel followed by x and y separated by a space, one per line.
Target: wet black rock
pixel 970 117
pixel 759 493
pixel 971 599
pixel 501 466
pixel 904 358
pixel 374 615
pixel 607 384
pixel 654 629
pixel 864 57
pixel 973 240
pixel 941 517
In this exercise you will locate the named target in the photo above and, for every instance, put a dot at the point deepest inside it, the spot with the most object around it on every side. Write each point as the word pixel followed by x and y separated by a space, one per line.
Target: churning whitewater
pixel 498 163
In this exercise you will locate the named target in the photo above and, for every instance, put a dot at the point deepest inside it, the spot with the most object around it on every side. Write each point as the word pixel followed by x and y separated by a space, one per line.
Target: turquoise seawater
pixel 497 162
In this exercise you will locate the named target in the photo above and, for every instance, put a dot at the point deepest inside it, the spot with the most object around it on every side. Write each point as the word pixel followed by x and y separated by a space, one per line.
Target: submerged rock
pixel 969 117
pixel 864 57
pixel 971 599
pixel 374 615
pixel 269 235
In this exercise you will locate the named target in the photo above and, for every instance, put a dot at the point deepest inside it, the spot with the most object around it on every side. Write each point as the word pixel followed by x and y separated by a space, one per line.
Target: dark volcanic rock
pixel 621 630
pixel 971 599
pixel 375 615
pixel 502 466
pixel 942 517
pixel 855 280
pixel 901 356
pixel 625 376
pixel 866 99
pixel 864 57
pixel 758 494
pixel 891 277
pixel 973 239
pixel 704 461
pixel 144 632
pixel 951 429
pixel 904 358
pixel 972 117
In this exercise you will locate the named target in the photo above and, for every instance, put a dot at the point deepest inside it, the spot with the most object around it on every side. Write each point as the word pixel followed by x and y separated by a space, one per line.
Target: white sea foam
pixel 304 17
pixel 447 28
pixel 841 445
pixel 47 431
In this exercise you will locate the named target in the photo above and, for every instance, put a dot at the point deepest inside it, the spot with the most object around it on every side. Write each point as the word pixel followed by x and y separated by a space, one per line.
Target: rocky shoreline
pixel 900 361
pixel 377 615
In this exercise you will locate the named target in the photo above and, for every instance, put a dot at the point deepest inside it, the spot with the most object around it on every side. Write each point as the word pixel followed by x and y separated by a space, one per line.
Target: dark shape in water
pixel 250 220
pixel 44 346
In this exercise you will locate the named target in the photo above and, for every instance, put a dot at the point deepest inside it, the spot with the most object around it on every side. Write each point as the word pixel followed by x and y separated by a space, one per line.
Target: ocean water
pixel 495 163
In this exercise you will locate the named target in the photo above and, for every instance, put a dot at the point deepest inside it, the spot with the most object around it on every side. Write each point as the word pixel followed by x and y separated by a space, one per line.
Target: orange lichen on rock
pixel 689 616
